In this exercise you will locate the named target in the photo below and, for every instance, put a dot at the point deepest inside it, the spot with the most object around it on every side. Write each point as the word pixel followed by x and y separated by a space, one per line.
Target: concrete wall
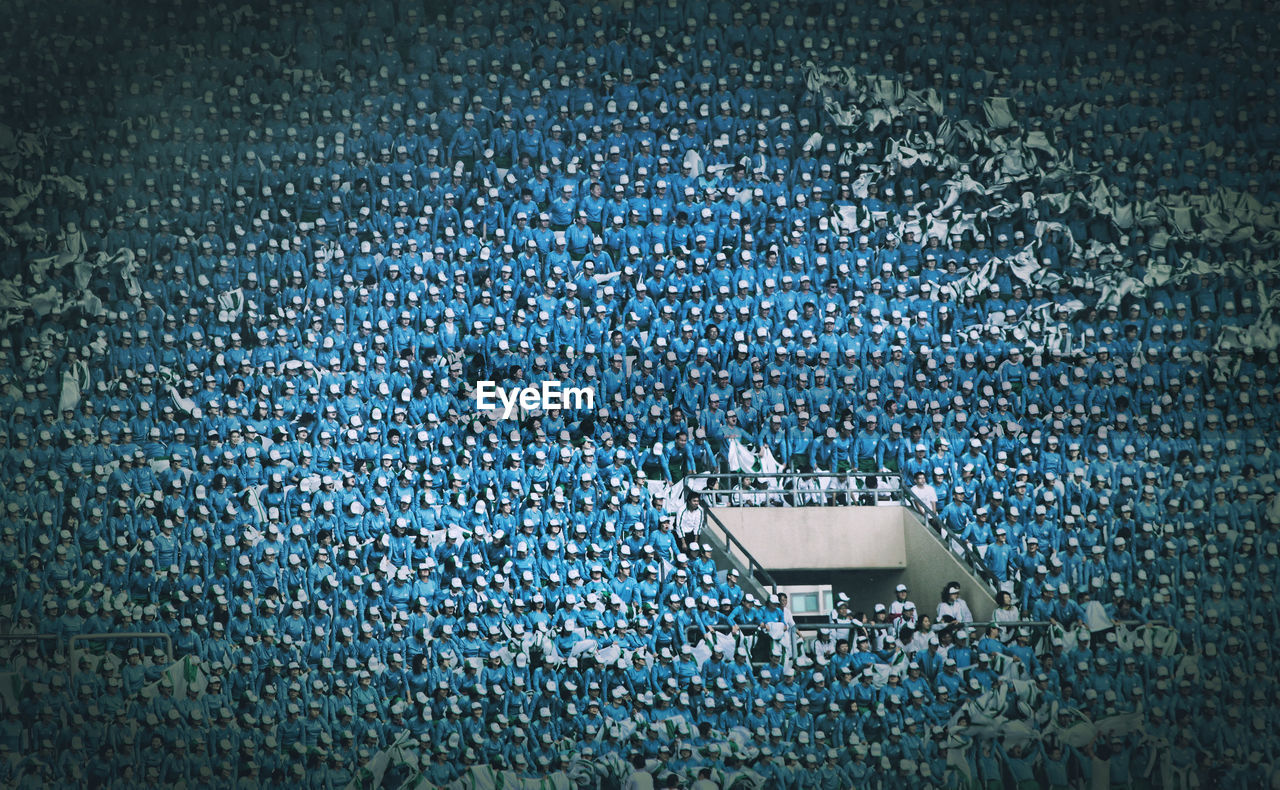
pixel 933 565
pixel 865 552
pixel 816 538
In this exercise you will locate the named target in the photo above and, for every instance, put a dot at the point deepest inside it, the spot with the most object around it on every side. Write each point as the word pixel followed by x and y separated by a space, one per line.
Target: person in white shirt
pixel 899 603
pixel 784 601
pixel 919 641
pixel 910 619
pixel 842 615
pixel 641 778
pixel 953 606
pixel 927 494
pixel 1006 612
pixel 689 520
pixel 823 647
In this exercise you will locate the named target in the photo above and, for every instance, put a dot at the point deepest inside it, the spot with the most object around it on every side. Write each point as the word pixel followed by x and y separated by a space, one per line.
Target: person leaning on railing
pixel 801 442
pixel 1005 612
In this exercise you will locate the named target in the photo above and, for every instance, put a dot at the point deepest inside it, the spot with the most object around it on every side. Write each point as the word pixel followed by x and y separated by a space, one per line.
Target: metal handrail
pixel 755 571
pixel 120 635
pixel 30 638
pixel 783 483
pixel 751 627
pixel 975 624
pixel 801 634
pixel 788 474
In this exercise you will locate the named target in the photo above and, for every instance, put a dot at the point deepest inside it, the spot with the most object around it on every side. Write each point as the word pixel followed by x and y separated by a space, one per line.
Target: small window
pixel 809 600
pixel 805 603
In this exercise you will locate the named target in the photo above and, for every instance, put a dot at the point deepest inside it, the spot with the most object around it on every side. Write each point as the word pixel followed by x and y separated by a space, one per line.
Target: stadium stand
pixel 255 260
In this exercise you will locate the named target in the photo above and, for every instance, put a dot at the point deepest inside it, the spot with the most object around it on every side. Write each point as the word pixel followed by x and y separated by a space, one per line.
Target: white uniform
pixel 689 523
pixel 957 610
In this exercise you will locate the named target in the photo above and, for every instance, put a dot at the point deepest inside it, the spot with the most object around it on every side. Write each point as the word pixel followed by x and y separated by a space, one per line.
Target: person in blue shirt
pixel 312 282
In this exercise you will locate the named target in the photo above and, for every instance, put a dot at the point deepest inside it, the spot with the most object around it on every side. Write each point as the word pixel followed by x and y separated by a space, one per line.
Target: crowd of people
pixel 256 261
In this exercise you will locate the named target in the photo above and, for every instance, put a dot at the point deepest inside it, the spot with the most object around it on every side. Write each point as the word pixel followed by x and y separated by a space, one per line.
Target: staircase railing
pixel 724 540
pixel 962 551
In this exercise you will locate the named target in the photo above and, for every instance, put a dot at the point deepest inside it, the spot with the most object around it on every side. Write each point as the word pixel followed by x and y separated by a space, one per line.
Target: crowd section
pixel 255 261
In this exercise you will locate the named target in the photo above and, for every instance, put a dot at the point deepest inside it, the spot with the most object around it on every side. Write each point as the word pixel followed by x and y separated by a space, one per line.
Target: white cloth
pixel 957 610
pixel 640 780
pixel 689 521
